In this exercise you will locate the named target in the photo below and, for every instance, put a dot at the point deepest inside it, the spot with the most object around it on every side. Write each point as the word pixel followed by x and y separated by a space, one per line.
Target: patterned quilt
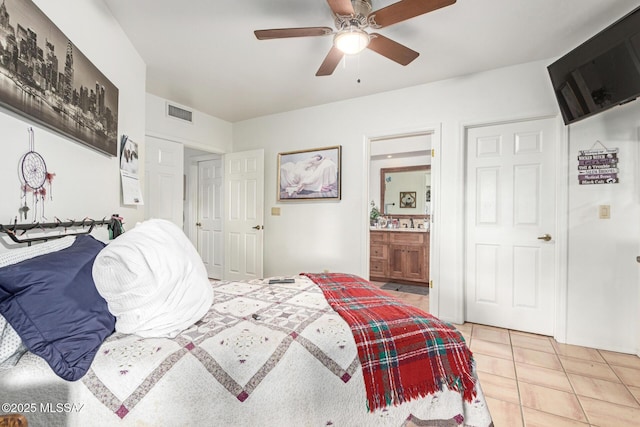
pixel 264 355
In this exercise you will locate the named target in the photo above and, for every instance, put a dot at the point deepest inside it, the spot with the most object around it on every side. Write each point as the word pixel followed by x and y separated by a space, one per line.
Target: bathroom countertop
pixel 402 230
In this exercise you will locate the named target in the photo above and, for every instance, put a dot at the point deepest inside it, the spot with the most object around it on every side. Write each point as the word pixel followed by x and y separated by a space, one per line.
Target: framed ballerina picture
pixel 310 174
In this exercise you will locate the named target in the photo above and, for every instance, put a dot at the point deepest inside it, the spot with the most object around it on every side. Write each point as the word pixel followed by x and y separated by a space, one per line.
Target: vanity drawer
pixel 407 238
pixel 379 236
pixel 378 251
pixel 378 267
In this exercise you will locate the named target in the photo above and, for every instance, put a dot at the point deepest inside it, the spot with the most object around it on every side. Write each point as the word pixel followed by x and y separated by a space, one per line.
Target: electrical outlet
pixel 604 211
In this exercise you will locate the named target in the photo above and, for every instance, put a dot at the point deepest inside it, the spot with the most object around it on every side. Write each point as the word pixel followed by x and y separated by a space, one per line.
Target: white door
pixel 244 219
pixel 510 224
pixel 164 179
pixel 210 216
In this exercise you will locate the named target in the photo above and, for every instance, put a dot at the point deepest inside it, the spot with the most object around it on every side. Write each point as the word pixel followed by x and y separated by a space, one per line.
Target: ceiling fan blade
pixel 282 33
pixel 405 9
pixel 341 7
pixel 391 49
pixel 330 62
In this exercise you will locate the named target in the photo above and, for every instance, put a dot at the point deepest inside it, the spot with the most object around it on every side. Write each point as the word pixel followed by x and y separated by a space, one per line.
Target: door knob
pixel 257 227
pixel 198 224
pixel 545 237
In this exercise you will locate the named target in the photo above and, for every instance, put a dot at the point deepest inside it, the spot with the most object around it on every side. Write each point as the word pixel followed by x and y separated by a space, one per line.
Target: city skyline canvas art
pixel 46 78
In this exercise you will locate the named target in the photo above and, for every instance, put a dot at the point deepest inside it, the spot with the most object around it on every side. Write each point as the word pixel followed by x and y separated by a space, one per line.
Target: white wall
pixel 314 236
pixel 206 132
pixel 602 280
pixel 603 272
pixel 87 183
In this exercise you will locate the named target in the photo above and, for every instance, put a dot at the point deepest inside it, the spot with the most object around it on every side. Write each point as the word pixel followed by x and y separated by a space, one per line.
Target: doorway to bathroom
pixel 400 210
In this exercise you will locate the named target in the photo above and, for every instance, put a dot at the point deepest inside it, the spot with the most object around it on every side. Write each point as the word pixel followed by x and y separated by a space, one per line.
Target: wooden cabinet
pixel 379 254
pixel 399 256
pixel 407 262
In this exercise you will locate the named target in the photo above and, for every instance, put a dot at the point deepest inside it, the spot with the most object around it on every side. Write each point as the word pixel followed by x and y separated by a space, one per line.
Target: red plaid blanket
pixel 405 353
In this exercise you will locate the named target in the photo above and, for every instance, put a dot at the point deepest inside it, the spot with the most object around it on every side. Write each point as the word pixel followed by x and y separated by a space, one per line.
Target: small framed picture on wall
pixel 407 199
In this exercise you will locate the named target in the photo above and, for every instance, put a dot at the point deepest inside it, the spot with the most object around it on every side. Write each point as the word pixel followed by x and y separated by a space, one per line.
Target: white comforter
pixel 153 280
pixel 264 355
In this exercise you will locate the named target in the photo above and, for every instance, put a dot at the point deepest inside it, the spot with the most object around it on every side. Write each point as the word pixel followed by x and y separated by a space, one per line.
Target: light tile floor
pixel 533 381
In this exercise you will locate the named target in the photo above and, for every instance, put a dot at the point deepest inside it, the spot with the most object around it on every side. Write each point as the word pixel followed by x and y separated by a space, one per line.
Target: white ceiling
pixel 203 53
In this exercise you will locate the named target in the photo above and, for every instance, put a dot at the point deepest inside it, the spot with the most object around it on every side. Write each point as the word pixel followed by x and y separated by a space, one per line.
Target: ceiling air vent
pixel 179 113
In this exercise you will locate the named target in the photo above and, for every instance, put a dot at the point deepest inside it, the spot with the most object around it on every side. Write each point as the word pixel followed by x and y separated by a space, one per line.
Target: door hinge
pixel 433 152
pixel 430 284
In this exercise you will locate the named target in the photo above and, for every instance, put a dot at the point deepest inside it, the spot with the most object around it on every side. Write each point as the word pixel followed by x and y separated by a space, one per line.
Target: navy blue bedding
pixel 52 303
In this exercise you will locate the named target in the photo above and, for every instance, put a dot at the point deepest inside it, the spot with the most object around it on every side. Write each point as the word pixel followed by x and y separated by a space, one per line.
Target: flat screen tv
pixel 601 73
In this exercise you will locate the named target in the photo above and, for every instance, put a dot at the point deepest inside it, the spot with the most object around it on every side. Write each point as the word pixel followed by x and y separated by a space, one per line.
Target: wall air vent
pixel 179 113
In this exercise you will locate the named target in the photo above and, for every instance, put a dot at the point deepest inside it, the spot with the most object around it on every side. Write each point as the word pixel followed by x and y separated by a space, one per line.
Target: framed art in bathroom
pixel 408 199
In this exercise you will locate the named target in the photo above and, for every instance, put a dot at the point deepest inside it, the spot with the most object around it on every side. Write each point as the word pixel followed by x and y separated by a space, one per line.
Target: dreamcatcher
pixel 33 177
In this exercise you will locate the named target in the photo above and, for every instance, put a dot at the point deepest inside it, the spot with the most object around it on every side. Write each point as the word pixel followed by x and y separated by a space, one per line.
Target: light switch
pixel 275 211
pixel 604 211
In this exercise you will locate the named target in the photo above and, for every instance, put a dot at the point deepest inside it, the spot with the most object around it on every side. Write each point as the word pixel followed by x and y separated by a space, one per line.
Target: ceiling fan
pixel 351 19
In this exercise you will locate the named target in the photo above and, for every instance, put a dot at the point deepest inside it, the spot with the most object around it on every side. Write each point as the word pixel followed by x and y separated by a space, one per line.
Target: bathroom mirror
pixel 406 191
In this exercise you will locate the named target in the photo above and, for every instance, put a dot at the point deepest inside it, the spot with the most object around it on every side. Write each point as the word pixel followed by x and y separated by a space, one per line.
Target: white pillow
pixel 14 256
pixel 153 280
pixel 11 347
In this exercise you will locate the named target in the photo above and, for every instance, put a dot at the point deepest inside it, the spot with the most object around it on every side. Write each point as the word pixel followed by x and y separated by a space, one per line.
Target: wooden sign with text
pixel 598 166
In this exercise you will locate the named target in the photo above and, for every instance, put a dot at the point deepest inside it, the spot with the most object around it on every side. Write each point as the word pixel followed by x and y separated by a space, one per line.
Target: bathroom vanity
pixel 399 239
pixel 399 255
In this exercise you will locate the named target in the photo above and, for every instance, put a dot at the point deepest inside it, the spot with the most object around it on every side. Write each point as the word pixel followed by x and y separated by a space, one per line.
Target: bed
pixel 301 350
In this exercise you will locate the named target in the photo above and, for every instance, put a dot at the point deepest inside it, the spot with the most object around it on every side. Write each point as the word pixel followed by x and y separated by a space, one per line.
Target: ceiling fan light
pixel 351 41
